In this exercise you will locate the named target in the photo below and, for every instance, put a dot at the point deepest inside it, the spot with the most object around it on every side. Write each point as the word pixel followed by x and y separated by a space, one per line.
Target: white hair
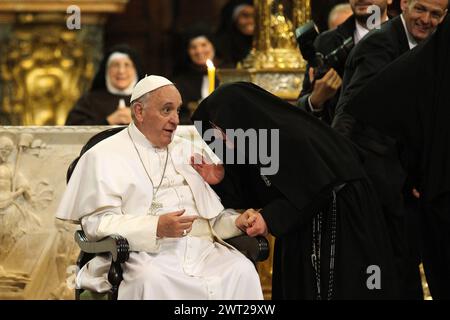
pixel 337 9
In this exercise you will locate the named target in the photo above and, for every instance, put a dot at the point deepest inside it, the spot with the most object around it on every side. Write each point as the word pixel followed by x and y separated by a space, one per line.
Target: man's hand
pixel 120 116
pixel 246 219
pixel 258 226
pixel 211 173
pixel 416 193
pixel 172 225
pixel 325 88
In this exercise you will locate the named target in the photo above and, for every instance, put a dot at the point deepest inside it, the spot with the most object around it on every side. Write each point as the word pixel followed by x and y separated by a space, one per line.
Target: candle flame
pixel 209 64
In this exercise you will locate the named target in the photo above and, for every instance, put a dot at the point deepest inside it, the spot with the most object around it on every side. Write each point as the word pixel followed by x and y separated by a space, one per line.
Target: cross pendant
pixel 155 206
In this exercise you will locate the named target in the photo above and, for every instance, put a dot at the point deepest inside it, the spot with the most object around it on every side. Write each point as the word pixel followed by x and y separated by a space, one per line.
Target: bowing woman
pixel 331 239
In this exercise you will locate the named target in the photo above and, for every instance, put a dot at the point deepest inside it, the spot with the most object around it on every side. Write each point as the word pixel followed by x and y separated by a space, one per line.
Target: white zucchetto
pixel 148 84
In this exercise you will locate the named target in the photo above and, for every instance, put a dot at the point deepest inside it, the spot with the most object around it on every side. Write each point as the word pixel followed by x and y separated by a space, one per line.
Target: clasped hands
pixel 252 223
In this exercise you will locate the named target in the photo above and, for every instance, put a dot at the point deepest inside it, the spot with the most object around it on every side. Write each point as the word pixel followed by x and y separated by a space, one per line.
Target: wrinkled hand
pixel 173 224
pixel 325 88
pixel 246 219
pixel 211 173
pixel 258 226
pixel 120 116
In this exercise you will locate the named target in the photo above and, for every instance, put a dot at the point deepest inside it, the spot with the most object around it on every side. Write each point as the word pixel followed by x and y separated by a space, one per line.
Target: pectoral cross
pixel 155 206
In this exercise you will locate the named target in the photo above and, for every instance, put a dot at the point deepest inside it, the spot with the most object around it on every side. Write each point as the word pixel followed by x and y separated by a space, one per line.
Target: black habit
pixel 231 45
pixel 98 103
pixel 315 165
pixel 417 114
pixel 94 107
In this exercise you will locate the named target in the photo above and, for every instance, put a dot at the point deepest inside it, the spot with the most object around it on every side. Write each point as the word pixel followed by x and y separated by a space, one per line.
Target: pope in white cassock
pixel 139 184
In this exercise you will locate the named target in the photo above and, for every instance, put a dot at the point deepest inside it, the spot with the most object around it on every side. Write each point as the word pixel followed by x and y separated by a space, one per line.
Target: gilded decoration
pixel 275 62
pixel 45 68
pixel 46 60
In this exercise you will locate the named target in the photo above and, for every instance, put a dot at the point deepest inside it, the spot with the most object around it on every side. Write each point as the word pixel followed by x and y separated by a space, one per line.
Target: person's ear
pixel 138 111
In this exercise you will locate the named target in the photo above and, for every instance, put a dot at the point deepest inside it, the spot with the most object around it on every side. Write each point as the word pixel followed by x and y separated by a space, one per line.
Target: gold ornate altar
pixel 45 60
pixel 275 62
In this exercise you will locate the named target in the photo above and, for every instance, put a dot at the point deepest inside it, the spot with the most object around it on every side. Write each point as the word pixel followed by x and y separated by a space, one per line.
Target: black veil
pixel 312 157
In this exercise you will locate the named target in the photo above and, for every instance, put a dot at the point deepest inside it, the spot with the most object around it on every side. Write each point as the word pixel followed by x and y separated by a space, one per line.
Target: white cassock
pixel 111 193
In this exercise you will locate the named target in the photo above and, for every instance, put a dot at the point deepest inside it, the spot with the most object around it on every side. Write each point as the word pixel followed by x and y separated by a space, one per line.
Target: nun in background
pixel 191 76
pixel 107 101
pixel 235 33
pixel 418 87
pixel 331 239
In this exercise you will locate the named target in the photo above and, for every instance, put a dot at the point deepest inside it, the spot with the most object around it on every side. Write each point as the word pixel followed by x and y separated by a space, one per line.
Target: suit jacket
pixel 376 51
pixel 373 53
pixel 325 43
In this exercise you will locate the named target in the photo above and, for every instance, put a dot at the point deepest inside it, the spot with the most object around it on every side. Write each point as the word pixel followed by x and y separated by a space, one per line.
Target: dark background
pixel 153 26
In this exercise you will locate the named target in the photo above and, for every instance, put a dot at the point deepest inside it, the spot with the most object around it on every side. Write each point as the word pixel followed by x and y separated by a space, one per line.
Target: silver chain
pixel 142 162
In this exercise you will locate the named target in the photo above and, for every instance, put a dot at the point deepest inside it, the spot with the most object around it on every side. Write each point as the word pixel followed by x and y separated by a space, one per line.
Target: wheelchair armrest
pixel 117 245
pixel 254 248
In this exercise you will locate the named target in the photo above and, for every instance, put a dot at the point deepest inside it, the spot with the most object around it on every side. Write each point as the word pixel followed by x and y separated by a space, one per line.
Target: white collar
pixel 411 41
pixel 360 32
pixel 139 138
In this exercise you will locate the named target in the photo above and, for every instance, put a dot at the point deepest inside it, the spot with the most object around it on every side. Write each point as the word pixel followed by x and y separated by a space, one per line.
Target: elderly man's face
pixel 423 16
pixel 158 118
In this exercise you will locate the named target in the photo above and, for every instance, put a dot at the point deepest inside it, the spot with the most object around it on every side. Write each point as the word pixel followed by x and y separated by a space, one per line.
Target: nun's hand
pixel 258 227
pixel 120 116
pixel 211 173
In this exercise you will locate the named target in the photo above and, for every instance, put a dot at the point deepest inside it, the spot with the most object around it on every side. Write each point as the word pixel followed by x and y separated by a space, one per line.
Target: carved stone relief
pixel 37 252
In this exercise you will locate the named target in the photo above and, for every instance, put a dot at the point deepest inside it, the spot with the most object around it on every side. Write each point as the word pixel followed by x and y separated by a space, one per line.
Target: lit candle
pixel 211 75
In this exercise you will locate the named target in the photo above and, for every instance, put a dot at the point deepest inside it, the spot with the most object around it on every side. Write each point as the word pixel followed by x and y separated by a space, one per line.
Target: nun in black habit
pixel 104 97
pixel 331 239
pixel 418 109
pixel 191 75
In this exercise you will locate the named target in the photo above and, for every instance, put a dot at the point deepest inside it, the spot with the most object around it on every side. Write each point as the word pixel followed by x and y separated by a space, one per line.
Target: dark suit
pixel 378 49
pixel 382 156
pixel 325 43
